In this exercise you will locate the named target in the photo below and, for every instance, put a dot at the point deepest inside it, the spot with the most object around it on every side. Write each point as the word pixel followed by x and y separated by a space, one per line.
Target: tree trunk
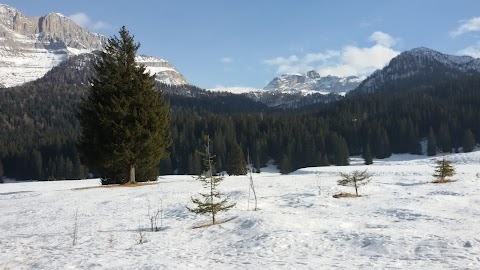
pixel 132 180
pixel 356 187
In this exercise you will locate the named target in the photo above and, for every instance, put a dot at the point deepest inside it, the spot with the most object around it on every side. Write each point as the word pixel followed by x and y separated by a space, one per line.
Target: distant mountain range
pixel 313 82
pixel 419 67
pixel 31 46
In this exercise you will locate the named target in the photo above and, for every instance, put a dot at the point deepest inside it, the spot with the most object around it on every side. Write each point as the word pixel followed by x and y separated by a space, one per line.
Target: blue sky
pixel 247 43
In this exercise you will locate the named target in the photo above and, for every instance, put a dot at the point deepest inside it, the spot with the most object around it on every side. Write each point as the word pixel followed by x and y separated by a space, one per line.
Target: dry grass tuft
pixel 443 181
pixel 346 195
pixel 205 225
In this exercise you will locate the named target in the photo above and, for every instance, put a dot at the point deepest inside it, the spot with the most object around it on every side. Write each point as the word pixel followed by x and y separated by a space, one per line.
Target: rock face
pixel 313 82
pixel 419 67
pixel 164 70
pixel 31 46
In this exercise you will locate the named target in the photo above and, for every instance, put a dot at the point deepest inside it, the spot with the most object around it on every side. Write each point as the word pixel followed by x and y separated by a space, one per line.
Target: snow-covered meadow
pixel 403 221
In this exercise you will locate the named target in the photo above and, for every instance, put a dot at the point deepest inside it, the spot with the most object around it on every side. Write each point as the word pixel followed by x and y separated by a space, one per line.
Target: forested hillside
pixel 39 127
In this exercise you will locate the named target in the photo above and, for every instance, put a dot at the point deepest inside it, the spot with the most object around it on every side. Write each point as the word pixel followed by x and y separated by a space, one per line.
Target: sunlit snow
pixel 402 222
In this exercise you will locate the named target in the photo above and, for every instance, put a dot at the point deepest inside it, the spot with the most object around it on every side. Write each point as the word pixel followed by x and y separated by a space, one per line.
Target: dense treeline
pixel 39 128
pixel 372 125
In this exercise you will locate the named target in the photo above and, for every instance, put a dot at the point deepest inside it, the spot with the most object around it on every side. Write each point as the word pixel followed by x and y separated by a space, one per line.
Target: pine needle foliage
pixel 125 121
pixel 354 179
pixel 212 201
pixel 443 169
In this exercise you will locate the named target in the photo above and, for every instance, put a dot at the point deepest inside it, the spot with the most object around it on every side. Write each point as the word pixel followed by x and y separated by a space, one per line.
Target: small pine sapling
pixel 443 169
pixel 354 179
pixel 210 202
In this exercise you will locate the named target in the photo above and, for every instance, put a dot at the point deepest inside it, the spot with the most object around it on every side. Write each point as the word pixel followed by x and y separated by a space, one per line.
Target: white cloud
pixel 472 25
pixel 282 61
pixel 473 51
pixel 100 25
pixel 84 20
pixel 383 39
pixel 226 60
pixel 81 19
pixel 349 61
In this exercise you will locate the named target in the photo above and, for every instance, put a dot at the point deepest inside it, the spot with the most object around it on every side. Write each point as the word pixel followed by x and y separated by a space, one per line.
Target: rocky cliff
pixel 31 46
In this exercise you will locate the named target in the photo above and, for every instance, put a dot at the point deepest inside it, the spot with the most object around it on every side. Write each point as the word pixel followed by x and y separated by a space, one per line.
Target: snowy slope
pixel 402 222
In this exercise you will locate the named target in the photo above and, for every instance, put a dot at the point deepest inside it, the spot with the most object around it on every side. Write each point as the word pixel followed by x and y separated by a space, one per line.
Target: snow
pixel 402 222
pixel 152 59
pixel 27 66
pixel 236 89
pixel 75 51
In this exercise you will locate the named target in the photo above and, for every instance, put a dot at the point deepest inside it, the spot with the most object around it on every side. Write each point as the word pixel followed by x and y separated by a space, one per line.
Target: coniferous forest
pixel 39 126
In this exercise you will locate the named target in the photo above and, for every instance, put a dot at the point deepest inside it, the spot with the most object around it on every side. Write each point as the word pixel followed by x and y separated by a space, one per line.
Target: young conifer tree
pixel 124 120
pixel 212 201
pixel 355 179
pixel 443 169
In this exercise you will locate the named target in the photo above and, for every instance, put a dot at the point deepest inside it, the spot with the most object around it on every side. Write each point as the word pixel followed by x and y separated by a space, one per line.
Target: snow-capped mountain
pixel 419 67
pixel 313 82
pixel 31 46
pixel 297 90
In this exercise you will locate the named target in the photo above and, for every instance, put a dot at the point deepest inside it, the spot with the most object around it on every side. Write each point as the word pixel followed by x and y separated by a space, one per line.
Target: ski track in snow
pixel 403 221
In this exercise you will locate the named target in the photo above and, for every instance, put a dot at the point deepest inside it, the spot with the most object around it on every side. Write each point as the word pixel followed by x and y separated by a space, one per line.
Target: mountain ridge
pixel 419 66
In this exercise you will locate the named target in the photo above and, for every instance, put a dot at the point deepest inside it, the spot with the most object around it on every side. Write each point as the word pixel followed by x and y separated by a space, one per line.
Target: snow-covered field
pixel 402 222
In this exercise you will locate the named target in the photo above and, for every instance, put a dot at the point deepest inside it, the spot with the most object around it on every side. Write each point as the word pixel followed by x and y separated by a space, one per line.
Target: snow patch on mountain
pixel 236 89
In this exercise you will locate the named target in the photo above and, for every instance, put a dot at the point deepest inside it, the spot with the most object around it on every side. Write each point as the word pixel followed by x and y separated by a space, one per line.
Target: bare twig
pixel 318 186
pixel 155 216
pixel 141 236
pixel 74 233
pixel 252 185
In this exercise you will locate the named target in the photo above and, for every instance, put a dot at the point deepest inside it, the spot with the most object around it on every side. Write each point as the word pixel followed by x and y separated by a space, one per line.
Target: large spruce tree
pixel 124 120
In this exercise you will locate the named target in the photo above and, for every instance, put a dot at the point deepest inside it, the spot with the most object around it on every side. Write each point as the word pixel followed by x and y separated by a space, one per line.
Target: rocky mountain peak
pixel 31 46
pixel 312 74
pixel 313 82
